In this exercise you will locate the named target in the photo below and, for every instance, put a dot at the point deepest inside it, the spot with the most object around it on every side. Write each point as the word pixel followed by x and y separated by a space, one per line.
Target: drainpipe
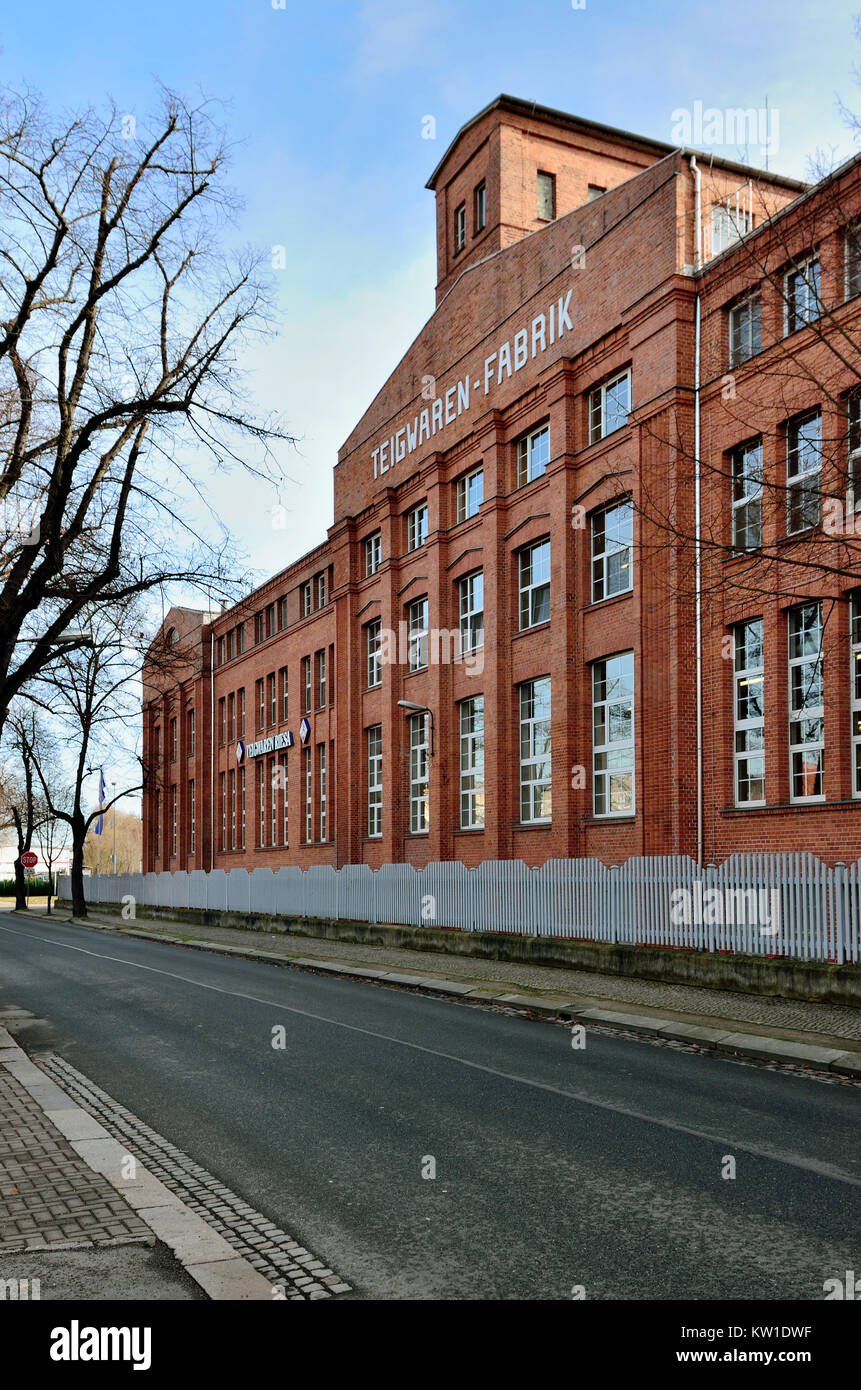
pixel 698 562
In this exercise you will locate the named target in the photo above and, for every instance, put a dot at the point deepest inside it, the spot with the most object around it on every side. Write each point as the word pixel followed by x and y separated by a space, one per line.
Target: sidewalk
pixel 827 1036
pixel 81 1218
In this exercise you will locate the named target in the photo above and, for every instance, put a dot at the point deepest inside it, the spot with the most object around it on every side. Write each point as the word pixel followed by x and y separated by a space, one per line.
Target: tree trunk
pixel 20 885
pixel 79 904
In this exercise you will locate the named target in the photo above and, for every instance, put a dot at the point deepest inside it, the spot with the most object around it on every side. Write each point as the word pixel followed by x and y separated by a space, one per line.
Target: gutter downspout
pixel 698 510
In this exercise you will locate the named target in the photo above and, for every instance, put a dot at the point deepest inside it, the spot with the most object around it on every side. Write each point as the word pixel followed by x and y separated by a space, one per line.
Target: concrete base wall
pixel 789 979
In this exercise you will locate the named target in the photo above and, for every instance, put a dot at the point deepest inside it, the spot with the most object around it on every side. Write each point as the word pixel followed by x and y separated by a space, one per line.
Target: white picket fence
pixel 765 904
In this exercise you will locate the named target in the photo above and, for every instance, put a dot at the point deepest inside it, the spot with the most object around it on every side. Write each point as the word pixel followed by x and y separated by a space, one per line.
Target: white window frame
pixel 321 678
pixel 798 712
pixel 417 526
pixel 306 599
pixel 600 424
pixel 192 808
pixel 613 758
pixel 545 181
pixel 307 684
pixel 533 455
pixel 174 811
pixel 467 503
pixel 616 540
pixel 261 801
pixel 232 800
pixel 471 725
pixel 852 262
pixel 321 589
pixel 800 480
pixel 271 764
pixel 375 781
pixel 321 779
pixel 460 228
pixel 745 329
pixel 529 587
pixel 480 206
pixel 746 495
pixel 309 794
pixel 748 729
pixel 797 310
pixel 242 801
pixel 373 553
pixel 471 604
pixel 417 635
pixel 373 653
pixel 853 452
pixel 536 792
pixel 419 770
pixel 285 825
pixel 728 225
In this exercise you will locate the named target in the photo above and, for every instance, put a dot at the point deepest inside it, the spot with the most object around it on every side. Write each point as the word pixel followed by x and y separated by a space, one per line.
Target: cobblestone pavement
pixel 294 1272
pixel 49 1197
pixel 832 1020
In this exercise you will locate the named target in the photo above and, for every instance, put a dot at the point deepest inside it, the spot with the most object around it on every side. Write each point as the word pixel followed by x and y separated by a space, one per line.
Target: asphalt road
pixel 555 1167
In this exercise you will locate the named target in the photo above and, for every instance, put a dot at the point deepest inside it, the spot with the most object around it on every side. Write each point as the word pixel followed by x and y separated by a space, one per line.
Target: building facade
pixel 585 592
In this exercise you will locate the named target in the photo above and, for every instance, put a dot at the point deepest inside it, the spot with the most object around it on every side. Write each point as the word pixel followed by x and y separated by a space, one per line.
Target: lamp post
pixel 419 709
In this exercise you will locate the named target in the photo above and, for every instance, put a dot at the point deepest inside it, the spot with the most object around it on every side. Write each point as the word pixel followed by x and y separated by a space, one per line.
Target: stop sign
pixel 29 860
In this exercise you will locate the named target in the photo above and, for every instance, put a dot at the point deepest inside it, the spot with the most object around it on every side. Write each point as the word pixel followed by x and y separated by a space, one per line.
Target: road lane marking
pixel 812 1165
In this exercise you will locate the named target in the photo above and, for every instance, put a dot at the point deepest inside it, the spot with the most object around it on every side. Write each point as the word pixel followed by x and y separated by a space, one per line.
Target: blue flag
pixel 100 823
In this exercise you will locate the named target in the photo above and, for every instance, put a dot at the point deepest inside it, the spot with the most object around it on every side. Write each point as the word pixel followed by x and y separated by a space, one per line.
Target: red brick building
pixel 638 356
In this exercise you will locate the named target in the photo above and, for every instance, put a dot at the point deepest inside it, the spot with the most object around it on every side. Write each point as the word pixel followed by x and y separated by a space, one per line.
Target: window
pixel 258 627
pixel 470 494
pixel 609 406
pixel 285 703
pixel 594 191
pixel 855 674
pixel 535 768
pixel 306 684
pixel 191 731
pixel 419 810
pixel 321 783
pixel 242 712
pixel 729 224
pixel 747 496
pixel 240 639
pixel 242 803
pixel 459 228
pixel 173 741
pixel 745 329
pixel 853 499
pixel 156 734
pixel 309 795
pixel 192 818
pixel 546 196
pixel 222 719
pixel 533 455
pixel 230 645
pixel 282 613
pixel 220 651
pixel 222 787
pixel 749 715
pixel 321 590
pixel 472 763
pixel 232 798
pixel 261 802
pixel 270 620
pixel 231 715
pixel 321 678
pixel 612 547
pixel 172 823
pixel 417 618
pixel 417 527
pixel 535 584
pixel 480 207
pixel 853 261
pixel 806 703
pixel 373 553
pixel 613 735
pixel 803 470
pixel 471 612
pixel 285 837
pixel 261 705
pixel 273 699
pixel 305 599
pixel 273 801
pixel 801 295
pixel 374 663
pixel 375 781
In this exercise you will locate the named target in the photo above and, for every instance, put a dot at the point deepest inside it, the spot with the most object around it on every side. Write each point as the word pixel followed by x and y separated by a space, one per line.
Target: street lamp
pixel 420 709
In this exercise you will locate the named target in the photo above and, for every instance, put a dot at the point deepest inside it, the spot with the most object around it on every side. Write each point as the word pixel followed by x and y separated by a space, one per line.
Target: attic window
pixel 546 196
pixel 460 228
pixel 594 191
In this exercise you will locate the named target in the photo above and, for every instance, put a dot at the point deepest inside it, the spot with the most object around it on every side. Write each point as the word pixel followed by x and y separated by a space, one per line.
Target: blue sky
pixel 327 100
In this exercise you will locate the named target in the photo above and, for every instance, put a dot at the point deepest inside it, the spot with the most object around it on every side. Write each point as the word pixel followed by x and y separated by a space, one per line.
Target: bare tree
pixel 120 323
